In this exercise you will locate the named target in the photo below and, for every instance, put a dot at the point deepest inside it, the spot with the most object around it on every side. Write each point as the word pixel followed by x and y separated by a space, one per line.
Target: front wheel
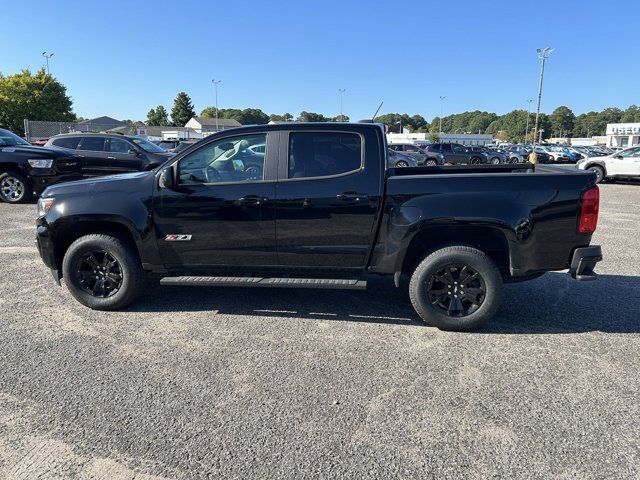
pixel 402 164
pixel 102 272
pixel 15 188
pixel 456 288
pixel 430 163
pixel 475 161
pixel 495 161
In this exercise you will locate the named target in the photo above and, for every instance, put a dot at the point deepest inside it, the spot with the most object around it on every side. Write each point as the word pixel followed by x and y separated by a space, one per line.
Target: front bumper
pixel 584 262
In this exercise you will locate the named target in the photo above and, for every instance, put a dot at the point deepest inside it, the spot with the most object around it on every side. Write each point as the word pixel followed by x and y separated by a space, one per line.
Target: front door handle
pixel 252 200
pixel 111 158
pixel 351 196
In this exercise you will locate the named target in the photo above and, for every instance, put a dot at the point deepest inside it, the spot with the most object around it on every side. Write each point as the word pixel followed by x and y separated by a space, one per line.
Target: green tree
pixel 339 118
pixel 287 117
pixel 34 97
pixel 562 121
pixel 311 117
pixel 158 116
pixel 248 116
pixel 631 115
pixel 434 137
pixel 182 110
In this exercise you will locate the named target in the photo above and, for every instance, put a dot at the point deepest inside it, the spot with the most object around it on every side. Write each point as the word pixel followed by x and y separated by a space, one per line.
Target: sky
pixel 121 58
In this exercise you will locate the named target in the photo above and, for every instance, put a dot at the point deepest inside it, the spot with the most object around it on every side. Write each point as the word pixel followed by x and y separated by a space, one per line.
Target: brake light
pixel 589 207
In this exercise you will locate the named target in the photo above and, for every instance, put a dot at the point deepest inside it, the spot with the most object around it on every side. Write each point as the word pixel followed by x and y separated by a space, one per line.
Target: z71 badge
pixel 177 238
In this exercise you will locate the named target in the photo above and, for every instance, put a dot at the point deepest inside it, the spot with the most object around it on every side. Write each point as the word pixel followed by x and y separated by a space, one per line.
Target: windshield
pixel 146 145
pixel 9 139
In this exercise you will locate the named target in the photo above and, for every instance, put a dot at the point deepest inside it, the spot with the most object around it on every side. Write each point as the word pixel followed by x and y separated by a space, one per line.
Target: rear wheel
pixel 15 188
pixel 456 288
pixel 102 272
pixel 599 171
pixel 495 161
pixel 475 161
pixel 431 163
pixel 402 163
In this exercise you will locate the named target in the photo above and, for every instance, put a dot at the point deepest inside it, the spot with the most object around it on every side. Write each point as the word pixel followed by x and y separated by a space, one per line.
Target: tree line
pixel 41 96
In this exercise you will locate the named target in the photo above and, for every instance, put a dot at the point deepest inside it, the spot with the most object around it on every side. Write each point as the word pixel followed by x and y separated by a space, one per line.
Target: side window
pixel 226 160
pixel 410 148
pixel 92 144
pixel 446 148
pixel 322 154
pixel 458 148
pixel 396 148
pixel 116 145
pixel 66 142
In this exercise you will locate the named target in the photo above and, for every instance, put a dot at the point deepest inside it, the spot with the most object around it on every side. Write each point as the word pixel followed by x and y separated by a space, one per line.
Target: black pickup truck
pixel 25 169
pixel 317 207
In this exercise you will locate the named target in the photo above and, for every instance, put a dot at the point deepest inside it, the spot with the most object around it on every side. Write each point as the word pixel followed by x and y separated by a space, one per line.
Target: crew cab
pixel 25 169
pixel 323 211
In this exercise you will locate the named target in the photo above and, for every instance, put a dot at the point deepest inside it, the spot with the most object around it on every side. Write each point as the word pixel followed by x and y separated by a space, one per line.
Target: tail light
pixel 589 206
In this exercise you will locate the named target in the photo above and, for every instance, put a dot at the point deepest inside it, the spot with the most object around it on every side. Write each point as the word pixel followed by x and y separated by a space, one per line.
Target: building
pixel 100 124
pixel 623 134
pixel 462 138
pixel 208 126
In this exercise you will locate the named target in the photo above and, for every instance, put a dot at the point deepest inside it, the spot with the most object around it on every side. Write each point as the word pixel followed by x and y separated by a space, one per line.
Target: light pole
pixel 215 85
pixel 441 102
pixel 526 130
pixel 47 56
pixel 543 54
pixel 341 90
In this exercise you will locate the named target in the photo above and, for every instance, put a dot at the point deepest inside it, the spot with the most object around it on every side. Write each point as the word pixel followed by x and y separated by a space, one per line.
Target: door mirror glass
pixel 167 178
pixel 132 151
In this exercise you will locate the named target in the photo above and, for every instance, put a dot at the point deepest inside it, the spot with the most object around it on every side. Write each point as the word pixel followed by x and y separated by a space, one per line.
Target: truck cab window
pixel 226 160
pixel 323 154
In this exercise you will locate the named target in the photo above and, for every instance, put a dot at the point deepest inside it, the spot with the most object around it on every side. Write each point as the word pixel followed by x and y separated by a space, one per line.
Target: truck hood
pixel 117 183
pixel 39 152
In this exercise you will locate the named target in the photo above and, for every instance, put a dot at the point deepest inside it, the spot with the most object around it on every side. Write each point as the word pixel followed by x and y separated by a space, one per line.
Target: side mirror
pixel 167 178
pixel 618 156
pixel 133 151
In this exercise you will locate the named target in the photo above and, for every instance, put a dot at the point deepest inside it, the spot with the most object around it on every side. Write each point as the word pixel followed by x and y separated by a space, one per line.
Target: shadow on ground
pixel 554 303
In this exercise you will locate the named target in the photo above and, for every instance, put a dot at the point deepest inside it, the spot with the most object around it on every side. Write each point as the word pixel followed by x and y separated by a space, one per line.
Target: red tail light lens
pixel 589 210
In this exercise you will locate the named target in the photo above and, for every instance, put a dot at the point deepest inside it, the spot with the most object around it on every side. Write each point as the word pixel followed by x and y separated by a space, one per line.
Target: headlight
pixel 41 163
pixel 44 205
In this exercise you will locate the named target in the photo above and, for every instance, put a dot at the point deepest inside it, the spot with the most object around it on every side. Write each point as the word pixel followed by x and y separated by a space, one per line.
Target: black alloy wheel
pixel 99 274
pixel 457 290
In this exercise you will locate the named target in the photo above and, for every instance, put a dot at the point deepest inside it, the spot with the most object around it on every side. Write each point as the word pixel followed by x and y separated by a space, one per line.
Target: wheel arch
pixel 69 233
pixel 602 165
pixel 488 239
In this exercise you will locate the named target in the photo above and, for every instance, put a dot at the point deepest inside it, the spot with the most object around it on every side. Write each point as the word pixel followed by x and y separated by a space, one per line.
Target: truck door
pixel 221 211
pixel 328 197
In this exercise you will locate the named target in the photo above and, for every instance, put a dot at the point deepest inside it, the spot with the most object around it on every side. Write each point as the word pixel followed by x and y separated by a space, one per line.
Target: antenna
pixel 379 107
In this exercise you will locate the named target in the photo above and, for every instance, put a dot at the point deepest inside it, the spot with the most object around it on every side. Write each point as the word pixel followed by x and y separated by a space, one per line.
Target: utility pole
pixel 441 102
pixel 341 90
pixel 543 54
pixel 215 85
pixel 526 131
pixel 47 56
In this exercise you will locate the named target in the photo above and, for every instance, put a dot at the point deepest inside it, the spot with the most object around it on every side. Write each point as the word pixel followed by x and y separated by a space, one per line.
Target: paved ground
pixel 264 383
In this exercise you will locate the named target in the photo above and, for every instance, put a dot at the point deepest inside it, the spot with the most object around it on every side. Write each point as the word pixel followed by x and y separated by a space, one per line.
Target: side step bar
pixel 330 283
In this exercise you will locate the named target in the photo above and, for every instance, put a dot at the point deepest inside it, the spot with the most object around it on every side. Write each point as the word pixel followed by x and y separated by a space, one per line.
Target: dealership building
pixel 623 134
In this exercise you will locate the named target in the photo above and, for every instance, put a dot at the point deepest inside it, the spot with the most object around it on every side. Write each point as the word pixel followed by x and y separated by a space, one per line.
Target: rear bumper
pixel 584 262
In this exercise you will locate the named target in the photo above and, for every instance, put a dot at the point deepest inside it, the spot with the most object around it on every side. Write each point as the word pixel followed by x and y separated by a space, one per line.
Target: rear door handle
pixel 111 158
pixel 252 200
pixel 351 196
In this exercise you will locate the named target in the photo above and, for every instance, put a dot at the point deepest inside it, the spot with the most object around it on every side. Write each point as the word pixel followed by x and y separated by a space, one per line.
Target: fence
pixel 35 130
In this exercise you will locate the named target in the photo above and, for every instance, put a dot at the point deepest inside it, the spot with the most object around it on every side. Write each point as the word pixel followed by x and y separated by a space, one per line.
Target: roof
pixel 224 122
pixel 99 120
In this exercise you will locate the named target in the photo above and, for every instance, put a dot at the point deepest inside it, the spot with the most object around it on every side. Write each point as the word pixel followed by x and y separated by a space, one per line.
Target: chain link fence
pixel 38 130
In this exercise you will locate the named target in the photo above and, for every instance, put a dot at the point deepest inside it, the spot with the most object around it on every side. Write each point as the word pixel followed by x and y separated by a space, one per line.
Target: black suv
pixel 105 154
pixel 25 169
pixel 456 154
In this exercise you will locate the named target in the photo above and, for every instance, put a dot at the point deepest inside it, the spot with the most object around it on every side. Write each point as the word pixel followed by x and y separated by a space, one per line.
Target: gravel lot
pixel 250 383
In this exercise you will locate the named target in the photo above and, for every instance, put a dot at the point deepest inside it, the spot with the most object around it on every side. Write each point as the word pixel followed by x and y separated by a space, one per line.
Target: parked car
pixel 494 156
pixel 423 157
pixel 39 143
pixel 168 145
pixel 456 154
pixel 624 164
pixel 25 169
pixel 396 159
pixel 557 155
pixel 105 154
pixel 184 145
pixel 324 214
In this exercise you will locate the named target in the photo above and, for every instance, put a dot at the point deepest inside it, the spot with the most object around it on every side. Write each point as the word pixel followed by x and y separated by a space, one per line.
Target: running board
pixel 330 283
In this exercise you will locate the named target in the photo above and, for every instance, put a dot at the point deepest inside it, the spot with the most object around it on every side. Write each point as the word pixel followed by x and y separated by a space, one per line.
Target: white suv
pixel 624 164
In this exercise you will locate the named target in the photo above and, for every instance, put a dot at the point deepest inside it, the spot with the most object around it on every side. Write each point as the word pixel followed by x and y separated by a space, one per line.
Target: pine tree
pixel 182 110
pixel 158 116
